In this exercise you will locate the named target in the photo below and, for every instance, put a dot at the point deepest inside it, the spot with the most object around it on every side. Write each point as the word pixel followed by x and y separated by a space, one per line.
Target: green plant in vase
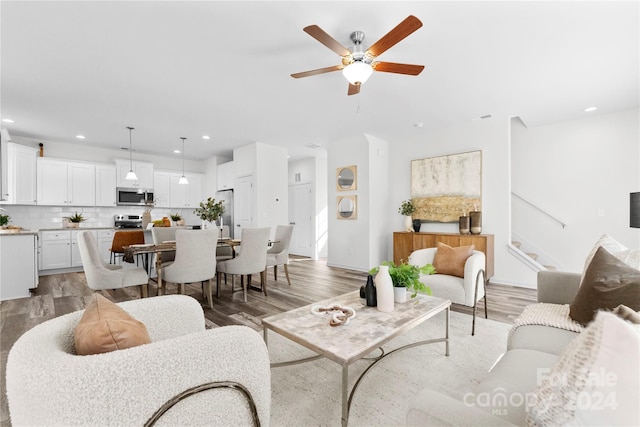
pixel 408 208
pixel 407 276
pixel 209 210
pixel 177 218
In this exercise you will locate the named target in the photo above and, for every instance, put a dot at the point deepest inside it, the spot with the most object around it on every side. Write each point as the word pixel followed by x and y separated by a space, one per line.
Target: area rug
pixel 309 394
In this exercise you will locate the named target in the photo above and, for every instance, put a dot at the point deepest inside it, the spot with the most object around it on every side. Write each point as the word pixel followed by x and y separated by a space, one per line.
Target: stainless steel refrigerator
pixel 227 217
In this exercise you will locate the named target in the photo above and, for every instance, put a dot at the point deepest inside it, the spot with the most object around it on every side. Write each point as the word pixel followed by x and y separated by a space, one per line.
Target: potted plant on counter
pixel 209 211
pixel 406 277
pixel 4 218
pixel 75 220
pixel 177 218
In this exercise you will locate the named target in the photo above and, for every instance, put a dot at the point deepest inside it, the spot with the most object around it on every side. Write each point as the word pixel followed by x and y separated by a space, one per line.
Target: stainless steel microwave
pixel 134 196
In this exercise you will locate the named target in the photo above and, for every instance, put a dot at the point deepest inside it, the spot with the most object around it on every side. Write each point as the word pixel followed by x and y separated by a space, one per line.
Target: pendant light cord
pixel 130 149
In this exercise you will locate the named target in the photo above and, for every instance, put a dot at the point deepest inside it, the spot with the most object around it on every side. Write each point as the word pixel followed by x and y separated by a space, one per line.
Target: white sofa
pixel 48 384
pixel 533 351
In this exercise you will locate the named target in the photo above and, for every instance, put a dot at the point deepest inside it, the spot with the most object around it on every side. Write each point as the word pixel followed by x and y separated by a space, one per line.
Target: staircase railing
pixel 550 215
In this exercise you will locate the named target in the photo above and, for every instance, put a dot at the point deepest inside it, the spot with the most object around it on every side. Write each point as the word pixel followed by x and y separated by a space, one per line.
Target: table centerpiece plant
pixel 209 211
pixel 407 276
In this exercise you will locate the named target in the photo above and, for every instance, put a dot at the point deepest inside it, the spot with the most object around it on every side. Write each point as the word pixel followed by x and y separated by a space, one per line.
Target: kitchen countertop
pixel 17 232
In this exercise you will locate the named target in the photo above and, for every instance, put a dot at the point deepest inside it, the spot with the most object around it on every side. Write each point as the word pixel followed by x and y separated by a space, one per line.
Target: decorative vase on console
pixel 407 208
pixel 464 224
pixel 417 223
pixel 476 222
pixel 384 289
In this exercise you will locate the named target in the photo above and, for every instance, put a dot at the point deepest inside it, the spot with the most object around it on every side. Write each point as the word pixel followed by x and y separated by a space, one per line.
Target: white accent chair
pixel 465 291
pixel 278 254
pixel 101 275
pixel 195 261
pixel 220 376
pixel 251 260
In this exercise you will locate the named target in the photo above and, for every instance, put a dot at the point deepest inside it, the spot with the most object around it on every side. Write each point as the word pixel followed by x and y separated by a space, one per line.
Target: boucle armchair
pixel 48 384
pixel 467 290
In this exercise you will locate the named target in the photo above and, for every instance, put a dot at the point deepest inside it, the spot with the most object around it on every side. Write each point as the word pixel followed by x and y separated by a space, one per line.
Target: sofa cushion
pixel 607 283
pixel 595 381
pixel 631 257
pixel 105 327
pixel 450 260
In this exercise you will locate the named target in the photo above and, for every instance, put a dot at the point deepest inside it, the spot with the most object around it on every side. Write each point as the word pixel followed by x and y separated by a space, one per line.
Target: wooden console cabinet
pixel 405 242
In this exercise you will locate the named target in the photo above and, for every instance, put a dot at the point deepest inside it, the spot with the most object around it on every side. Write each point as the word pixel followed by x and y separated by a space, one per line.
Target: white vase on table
pixel 384 289
pixel 399 294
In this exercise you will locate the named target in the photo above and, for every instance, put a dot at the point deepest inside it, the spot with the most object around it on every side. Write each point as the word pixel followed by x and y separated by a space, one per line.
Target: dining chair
pixel 278 254
pixel 122 239
pixel 163 234
pixel 251 260
pixel 194 261
pixel 101 275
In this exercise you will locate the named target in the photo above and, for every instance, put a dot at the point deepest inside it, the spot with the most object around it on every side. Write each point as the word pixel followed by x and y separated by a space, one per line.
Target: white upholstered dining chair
pixel 251 260
pixel 163 234
pixel 101 275
pixel 278 254
pixel 195 261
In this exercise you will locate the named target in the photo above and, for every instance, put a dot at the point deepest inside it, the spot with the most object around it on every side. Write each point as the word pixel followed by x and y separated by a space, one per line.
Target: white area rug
pixel 309 394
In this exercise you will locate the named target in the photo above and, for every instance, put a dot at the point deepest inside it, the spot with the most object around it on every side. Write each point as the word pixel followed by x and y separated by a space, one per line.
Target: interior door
pixel 301 217
pixel 243 201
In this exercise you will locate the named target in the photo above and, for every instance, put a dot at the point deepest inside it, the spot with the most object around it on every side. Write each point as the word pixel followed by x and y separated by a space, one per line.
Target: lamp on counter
pixel 131 175
pixel 634 210
pixel 183 179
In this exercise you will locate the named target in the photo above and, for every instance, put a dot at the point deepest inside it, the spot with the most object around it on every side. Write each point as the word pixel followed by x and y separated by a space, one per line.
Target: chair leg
pixel 159 278
pixel 244 288
pixel 181 288
pixel 218 284
pixel 286 273
pixel 209 295
pixel 275 273
pixel 263 281
pixel 475 300
pixel 485 299
pixel 144 290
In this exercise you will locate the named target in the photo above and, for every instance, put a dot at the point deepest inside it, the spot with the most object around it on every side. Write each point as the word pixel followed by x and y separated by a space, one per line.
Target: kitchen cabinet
pixel 59 249
pixel 406 242
pixel 105 239
pixel 63 183
pixel 105 185
pixel 21 175
pixel 170 194
pixel 143 170
pixel 187 195
pixel 18 265
pixel 226 176
pixel 162 188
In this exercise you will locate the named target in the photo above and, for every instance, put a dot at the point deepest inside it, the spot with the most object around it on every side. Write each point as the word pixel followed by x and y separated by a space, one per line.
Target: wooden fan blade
pixel 353 89
pixel 324 38
pixel 402 30
pixel 393 67
pixel 318 71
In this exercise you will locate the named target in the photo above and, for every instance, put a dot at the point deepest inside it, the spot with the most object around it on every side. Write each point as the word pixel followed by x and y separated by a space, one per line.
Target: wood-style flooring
pixel 311 281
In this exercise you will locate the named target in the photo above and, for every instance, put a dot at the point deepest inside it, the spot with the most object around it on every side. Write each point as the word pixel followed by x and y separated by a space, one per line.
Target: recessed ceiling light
pixel 418 125
pixel 8 121
pixel 205 137
pixel 176 151
pixel 589 109
pixel 80 136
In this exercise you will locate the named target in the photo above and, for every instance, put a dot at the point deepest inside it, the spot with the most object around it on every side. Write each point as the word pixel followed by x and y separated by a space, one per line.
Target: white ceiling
pixel 178 68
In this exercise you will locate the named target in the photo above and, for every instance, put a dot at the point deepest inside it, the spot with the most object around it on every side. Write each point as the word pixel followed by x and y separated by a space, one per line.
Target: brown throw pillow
pixel 607 283
pixel 450 260
pixel 106 327
pixel 625 313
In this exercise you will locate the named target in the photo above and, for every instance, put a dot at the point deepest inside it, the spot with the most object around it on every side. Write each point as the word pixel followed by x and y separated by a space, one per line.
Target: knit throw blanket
pixel 544 314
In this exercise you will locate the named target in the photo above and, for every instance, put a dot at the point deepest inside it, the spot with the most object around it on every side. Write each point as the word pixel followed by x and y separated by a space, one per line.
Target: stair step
pixel 550 267
pixel 532 256
pixel 516 244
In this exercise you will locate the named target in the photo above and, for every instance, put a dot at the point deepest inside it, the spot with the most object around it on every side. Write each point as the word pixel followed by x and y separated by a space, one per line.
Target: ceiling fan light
pixel 357 72
pixel 183 180
pixel 131 176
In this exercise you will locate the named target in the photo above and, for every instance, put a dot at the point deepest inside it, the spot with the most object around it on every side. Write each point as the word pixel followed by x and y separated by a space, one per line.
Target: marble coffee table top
pixel 369 330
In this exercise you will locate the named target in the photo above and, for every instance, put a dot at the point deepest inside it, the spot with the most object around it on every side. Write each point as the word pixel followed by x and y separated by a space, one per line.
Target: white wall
pixel 581 171
pixel 271 189
pixel 378 194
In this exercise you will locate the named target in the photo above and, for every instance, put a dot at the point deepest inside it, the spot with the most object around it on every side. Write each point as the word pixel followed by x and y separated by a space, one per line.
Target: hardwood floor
pixel 310 281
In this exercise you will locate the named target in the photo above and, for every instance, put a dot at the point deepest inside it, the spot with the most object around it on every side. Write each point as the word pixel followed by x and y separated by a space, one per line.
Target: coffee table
pixel 368 331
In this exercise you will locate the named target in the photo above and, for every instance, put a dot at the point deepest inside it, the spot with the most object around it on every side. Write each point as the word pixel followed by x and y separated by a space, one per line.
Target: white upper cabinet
pixel 162 188
pixel 143 170
pixel 21 174
pixel 105 185
pixel 65 183
pixel 226 176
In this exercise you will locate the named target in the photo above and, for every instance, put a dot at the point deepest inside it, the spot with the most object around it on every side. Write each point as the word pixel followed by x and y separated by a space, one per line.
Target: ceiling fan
pixel 358 64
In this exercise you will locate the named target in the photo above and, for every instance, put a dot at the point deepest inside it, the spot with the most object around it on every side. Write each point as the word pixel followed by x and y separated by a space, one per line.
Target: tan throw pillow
pixel 450 260
pixel 105 327
pixel 625 313
pixel 607 283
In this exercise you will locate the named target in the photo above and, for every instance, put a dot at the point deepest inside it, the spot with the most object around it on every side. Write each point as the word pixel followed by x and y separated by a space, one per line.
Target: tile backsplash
pixel 45 217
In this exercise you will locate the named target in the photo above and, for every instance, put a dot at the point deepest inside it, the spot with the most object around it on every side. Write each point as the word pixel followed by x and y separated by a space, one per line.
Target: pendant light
pixel 183 179
pixel 131 176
